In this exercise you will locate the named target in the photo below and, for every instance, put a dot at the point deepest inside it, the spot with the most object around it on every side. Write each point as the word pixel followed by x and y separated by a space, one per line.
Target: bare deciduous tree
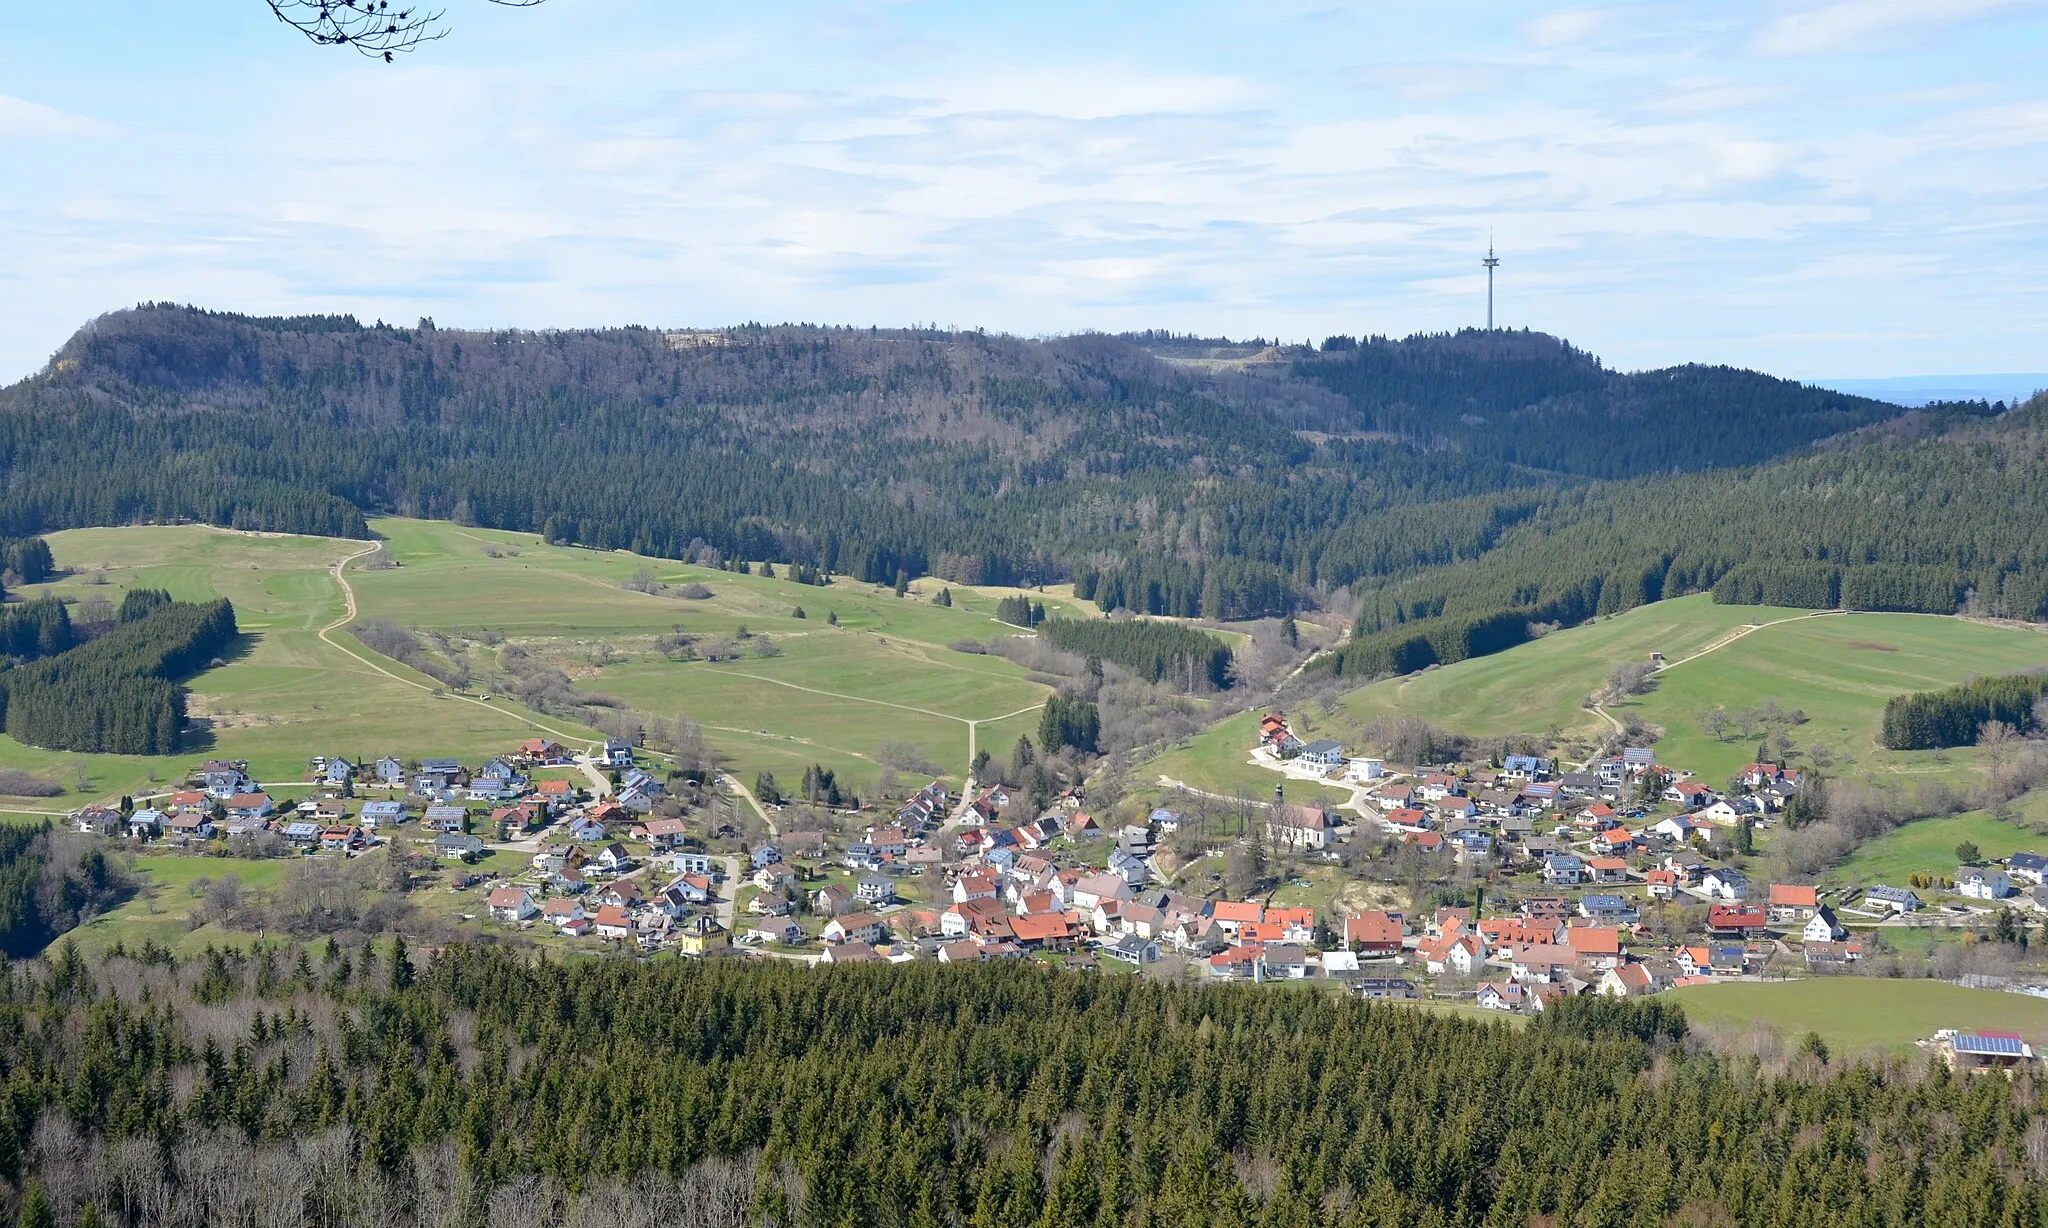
pixel 372 27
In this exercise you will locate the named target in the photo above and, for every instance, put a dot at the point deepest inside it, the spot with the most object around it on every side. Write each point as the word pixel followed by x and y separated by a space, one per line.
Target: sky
pixel 1816 188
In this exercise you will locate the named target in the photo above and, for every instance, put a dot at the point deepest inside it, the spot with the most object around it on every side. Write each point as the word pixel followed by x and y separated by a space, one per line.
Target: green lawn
pixel 1536 687
pixel 1856 1014
pixel 1840 670
pixel 1215 761
pixel 828 695
pixel 1929 846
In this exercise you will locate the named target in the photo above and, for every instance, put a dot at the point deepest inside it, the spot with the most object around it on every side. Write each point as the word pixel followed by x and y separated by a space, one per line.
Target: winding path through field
pixel 348 594
pixel 1600 709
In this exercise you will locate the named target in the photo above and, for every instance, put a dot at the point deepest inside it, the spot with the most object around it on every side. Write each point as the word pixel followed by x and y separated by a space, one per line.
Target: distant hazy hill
pixel 1185 475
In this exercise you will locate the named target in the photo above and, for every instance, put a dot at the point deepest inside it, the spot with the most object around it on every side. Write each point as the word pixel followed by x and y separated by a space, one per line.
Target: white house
pixel 858 927
pixel 1322 753
pixel 1724 884
pixel 1822 926
pixel 1984 884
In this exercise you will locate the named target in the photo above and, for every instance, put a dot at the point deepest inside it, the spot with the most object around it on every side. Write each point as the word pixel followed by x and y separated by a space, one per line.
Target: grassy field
pixel 1840 670
pixel 1537 686
pixel 1857 1014
pixel 285 694
pixel 162 910
pixel 1929 846
pixel 827 694
pixel 830 695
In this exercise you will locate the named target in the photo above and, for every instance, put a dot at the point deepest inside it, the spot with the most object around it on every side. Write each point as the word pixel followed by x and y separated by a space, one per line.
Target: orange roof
pixel 1594 940
pixel 1231 910
pixel 1633 975
pixel 1607 863
pixel 1372 927
pixel 1261 931
pixel 553 788
pixel 611 914
pixel 1663 876
pixel 1407 817
pixel 1303 917
pixel 1037 927
pixel 1788 895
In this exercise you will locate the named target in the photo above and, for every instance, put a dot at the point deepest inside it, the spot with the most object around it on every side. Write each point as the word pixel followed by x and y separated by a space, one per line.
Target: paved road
pixel 728 903
pixel 599 785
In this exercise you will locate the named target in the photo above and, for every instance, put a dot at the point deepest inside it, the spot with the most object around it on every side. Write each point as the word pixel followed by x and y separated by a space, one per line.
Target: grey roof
pixel 1990 1046
pixel 2027 861
pixel 1320 746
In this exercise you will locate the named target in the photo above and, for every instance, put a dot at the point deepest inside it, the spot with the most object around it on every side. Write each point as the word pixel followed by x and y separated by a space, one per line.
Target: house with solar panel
pixel 1976 1052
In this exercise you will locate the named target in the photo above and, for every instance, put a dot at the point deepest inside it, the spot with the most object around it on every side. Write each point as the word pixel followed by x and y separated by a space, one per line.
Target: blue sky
pixel 1847 188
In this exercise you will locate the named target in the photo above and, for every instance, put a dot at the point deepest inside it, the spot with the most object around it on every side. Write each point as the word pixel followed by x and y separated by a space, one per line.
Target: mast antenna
pixel 1491 262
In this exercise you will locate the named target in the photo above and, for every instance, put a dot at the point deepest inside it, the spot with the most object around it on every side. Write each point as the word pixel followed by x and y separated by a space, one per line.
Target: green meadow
pixel 1929 845
pixel 1858 1014
pixel 1839 670
pixel 820 694
pixel 1537 687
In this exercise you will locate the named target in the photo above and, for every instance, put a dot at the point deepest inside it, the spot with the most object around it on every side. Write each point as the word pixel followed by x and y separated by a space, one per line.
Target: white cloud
pixel 21 120
pixel 1860 25
pixel 1566 26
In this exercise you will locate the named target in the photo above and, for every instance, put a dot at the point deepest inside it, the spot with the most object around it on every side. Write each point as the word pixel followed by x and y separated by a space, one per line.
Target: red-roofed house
pixel 1608 869
pixel 1231 914
pixel 1374 933
pixel 1735 920
pixel 1627 981
pixel 612 922
pixel 1595 945
pixel 1790 902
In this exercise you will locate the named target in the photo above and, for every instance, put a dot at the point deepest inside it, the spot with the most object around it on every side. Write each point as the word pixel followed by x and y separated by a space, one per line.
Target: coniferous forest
pixel 1154 651
pixel 1456 490
pixel 1956 716
pixel 344 1086
pixel 118 694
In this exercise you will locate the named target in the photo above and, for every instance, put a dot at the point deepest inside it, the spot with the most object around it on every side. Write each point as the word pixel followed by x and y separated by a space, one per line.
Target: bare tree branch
pixel 372 27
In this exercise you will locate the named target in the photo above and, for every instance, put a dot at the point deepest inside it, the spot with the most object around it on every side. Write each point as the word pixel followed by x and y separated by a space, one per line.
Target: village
pixel 1610 878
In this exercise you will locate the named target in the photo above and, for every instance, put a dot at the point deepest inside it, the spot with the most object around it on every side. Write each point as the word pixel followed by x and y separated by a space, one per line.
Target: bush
pixel 16 783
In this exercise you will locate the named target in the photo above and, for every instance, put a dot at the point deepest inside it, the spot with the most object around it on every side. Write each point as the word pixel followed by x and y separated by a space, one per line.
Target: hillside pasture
pixel 283 694
pixel 800 690
pixel 1537 687
pixel 1858 1014
pixel 1839 670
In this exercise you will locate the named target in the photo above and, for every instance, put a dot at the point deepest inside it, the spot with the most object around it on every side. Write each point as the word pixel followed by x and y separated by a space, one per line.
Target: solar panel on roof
pixel 1991 1046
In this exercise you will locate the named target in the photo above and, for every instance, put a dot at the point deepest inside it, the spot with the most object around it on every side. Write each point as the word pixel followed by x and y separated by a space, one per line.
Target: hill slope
pixel 1219 489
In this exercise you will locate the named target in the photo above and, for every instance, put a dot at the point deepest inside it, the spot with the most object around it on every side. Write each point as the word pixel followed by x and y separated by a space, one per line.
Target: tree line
pixel 1154 651
pixel 50 881
pixel 1912 524
pixel 483 1086
pixel 1957 715
pixel 881 454
pixel 117 694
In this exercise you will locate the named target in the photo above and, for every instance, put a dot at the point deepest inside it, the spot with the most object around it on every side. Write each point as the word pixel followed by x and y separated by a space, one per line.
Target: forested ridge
pixel 1926 525
pixel 352 1087
pixel 1169 488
